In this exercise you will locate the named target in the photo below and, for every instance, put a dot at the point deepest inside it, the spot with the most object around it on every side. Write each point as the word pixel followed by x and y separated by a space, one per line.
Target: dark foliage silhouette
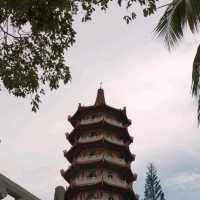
pixel 34 35
pixel 153 189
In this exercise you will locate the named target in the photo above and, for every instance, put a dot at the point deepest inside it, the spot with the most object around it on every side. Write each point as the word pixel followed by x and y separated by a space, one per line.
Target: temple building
pixel 100 157
pixel 11 190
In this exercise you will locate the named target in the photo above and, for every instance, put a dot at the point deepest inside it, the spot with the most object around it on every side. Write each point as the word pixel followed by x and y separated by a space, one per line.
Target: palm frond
pixel 171 27
pixel 177 15
pixel 196 73
pixel 198 111
pixel 196 80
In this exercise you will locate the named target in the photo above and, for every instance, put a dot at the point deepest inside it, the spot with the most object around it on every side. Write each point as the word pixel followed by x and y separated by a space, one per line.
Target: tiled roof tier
pixel 98 126
pixel 101 163
pixel 83 110
pixel 101 143
pixel 101 185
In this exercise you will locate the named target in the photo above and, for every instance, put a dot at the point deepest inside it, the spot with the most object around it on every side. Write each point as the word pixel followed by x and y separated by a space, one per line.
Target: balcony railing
pixel 96 158
pixel 101 178
pixel 116 182
pixel 90 139
pixel 86 181
pixel 115 140
pixel 100 137
pixel 116 160
pixel 88 159
pixel 99 119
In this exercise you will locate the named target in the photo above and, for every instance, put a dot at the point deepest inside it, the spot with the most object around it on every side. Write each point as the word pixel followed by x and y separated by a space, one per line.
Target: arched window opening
pixel 92 174
pixel 110 175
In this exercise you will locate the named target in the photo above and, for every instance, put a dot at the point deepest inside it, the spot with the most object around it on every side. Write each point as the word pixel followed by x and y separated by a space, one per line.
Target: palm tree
pixel 178 15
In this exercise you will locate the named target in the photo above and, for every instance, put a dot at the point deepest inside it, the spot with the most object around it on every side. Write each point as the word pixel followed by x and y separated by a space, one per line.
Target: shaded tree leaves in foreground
pixel 34 35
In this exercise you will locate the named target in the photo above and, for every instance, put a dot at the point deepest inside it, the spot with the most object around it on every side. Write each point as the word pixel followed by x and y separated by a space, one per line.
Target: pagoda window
pixel 78 174
pixel 93 116
pixel 91 196
pixel 110 175
pixel 93 133
pixel 92 174
pixel 121 155
pixel 77 138
pixel 123 177
pixel 99 194
pixel 110 154
pixel 92 153
pixel 125 141
pixel 119 137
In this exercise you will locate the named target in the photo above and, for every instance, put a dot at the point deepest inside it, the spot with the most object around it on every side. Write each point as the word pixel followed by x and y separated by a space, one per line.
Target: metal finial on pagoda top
pixel 100 99
pixel 101 83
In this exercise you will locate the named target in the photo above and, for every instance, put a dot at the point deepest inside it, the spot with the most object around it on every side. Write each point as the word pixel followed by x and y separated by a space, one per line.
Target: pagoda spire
pixel 100 99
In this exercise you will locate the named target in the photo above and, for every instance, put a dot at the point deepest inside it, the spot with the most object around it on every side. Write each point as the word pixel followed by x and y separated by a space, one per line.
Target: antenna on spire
pixel 101 83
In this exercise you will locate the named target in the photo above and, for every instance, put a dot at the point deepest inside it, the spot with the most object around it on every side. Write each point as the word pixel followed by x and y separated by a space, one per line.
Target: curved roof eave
pixel 103 107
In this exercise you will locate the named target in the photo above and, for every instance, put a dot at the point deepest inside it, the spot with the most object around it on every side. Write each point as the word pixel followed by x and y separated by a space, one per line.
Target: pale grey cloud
pixel 188 180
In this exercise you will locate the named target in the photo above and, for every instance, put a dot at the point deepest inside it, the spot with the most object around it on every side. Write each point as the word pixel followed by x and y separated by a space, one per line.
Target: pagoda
pixel 100 157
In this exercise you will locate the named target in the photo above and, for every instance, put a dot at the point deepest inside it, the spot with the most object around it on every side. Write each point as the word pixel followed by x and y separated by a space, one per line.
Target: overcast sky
pixel 137 71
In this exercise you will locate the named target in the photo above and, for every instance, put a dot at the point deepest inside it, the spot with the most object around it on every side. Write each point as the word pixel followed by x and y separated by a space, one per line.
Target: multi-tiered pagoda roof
pixel 100 156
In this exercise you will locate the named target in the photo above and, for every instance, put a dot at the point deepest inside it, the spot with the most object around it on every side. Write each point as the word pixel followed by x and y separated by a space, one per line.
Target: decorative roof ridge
pixel 98 122
pixel 102 159
pixel 82 107
pixel 102 140
pixel 105 139
pixel 122 112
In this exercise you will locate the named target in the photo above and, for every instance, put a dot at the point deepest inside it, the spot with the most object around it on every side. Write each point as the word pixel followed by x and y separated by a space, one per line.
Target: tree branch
pixel 165 5
pixel 7 33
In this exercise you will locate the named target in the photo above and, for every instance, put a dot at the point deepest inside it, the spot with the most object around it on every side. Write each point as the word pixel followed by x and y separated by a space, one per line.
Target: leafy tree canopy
pixel 34 35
